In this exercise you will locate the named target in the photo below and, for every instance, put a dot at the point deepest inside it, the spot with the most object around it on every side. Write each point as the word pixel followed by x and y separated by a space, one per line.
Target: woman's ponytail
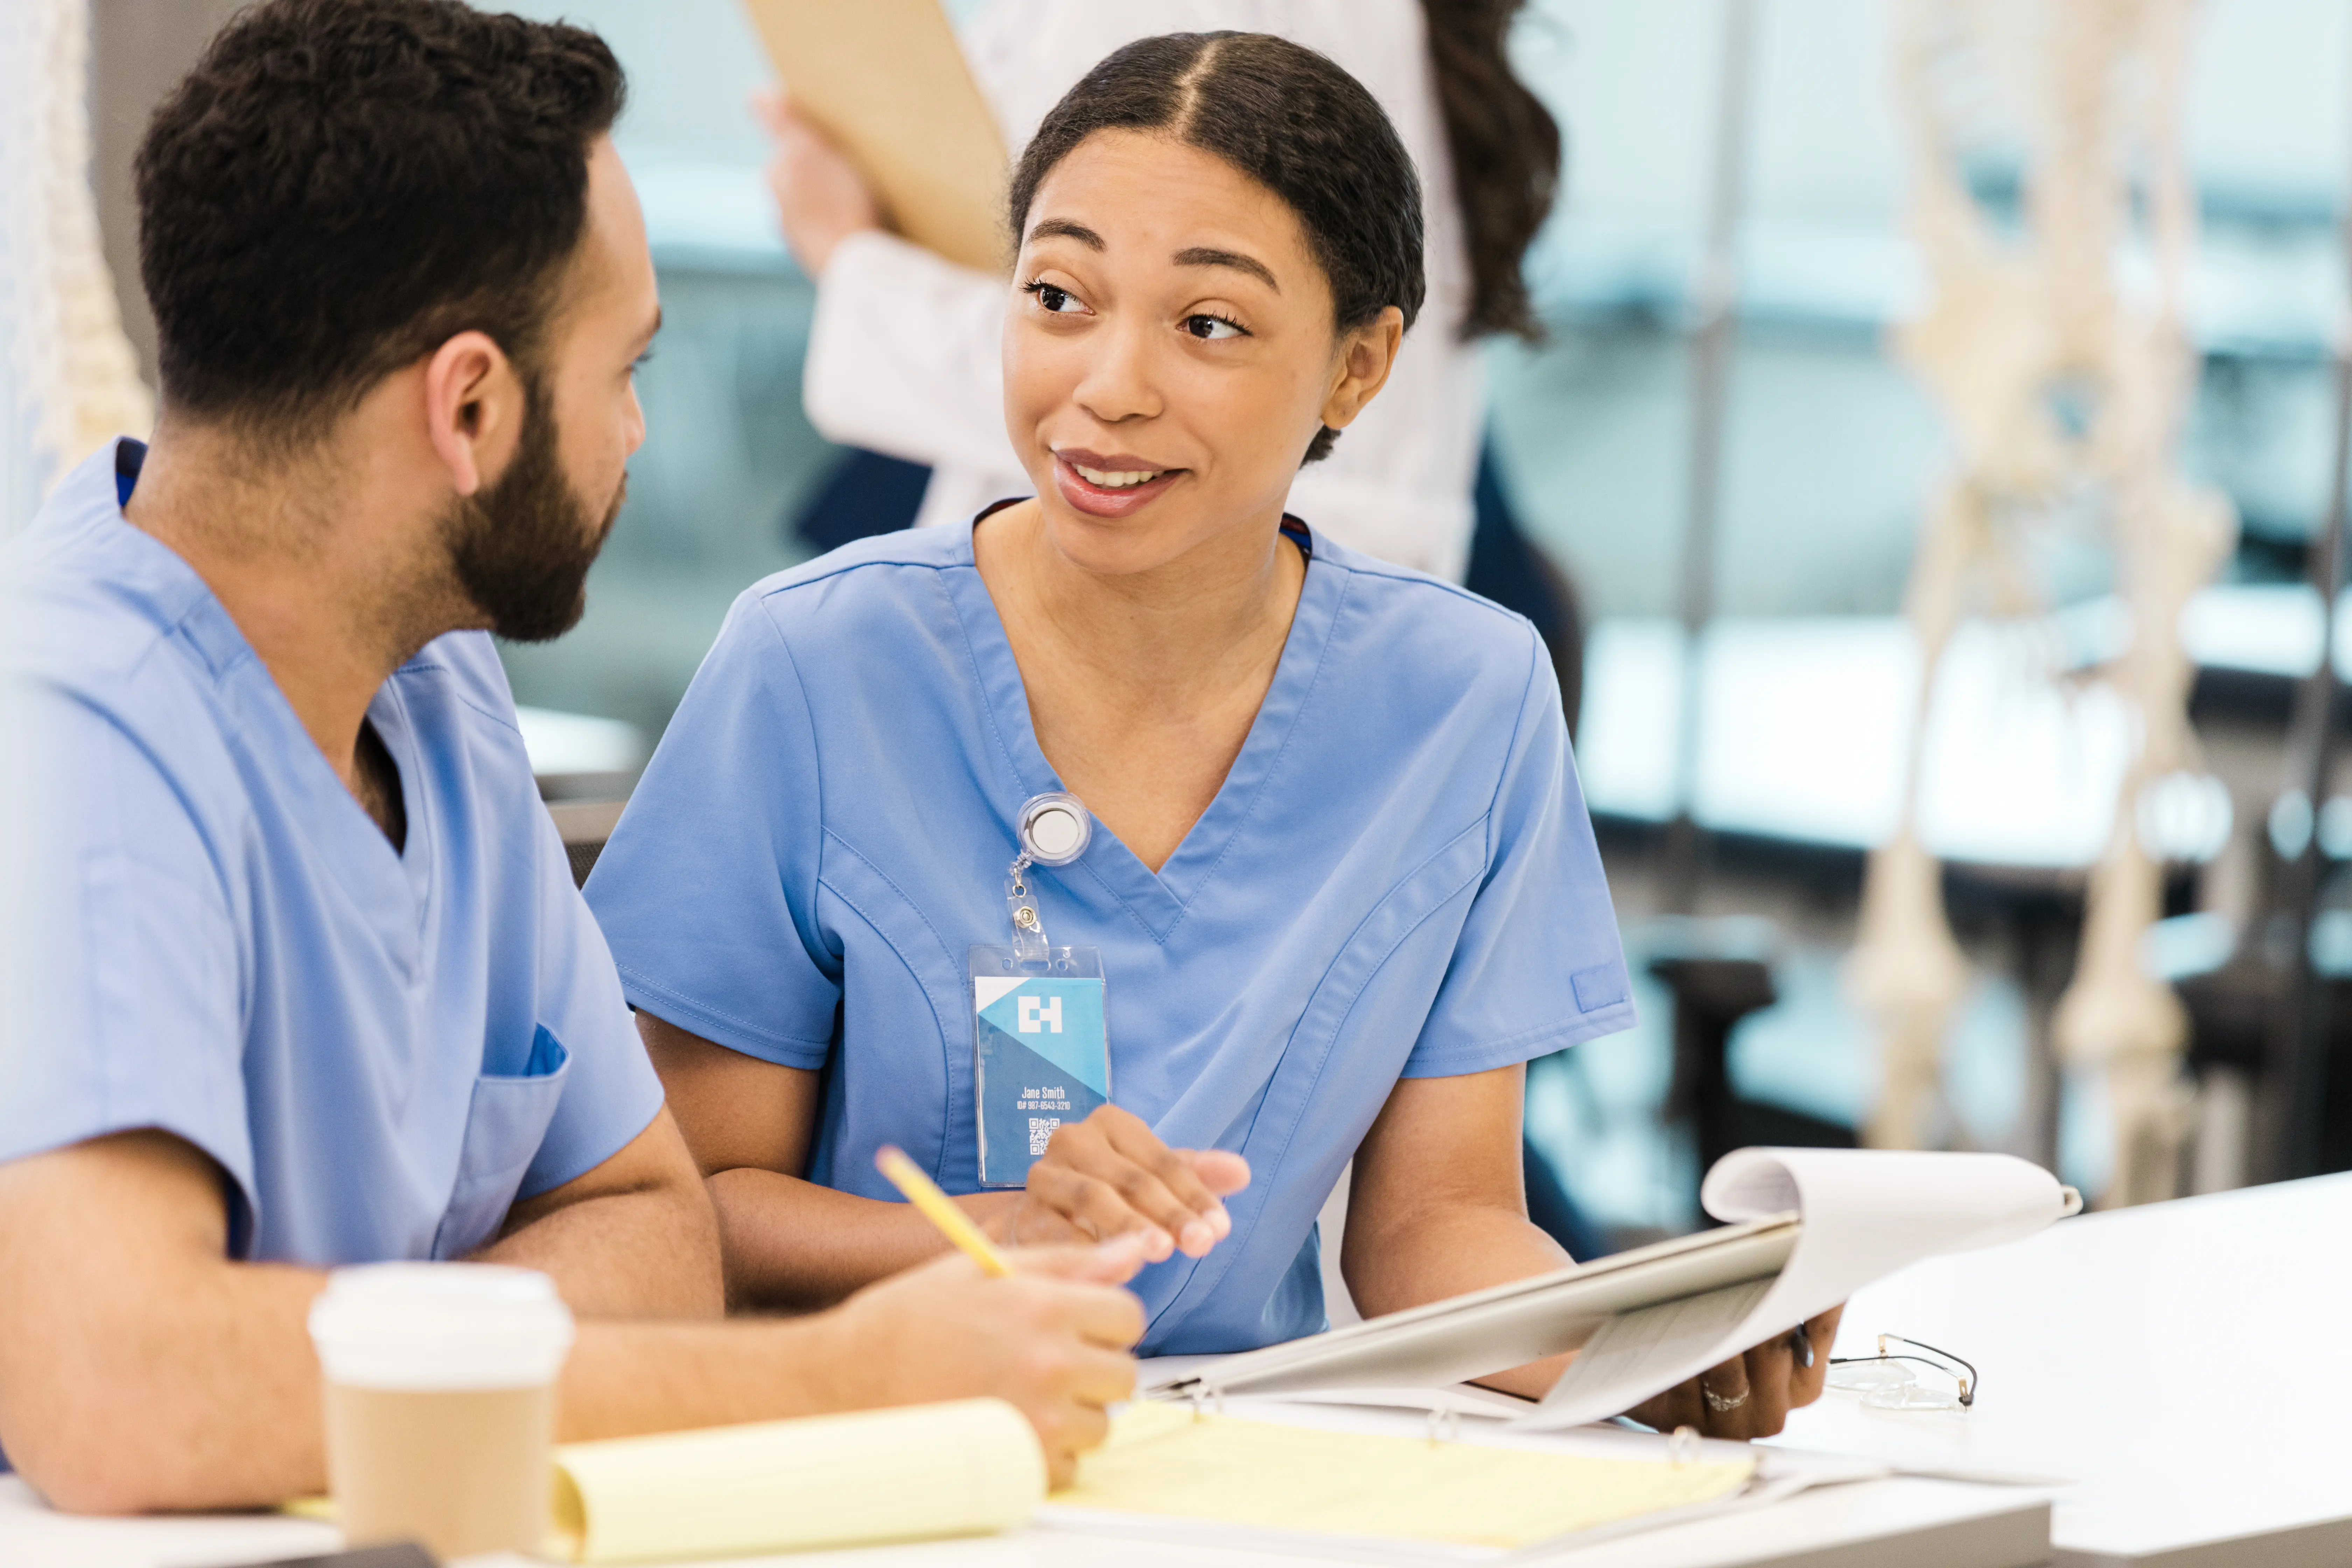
pixel 1505 150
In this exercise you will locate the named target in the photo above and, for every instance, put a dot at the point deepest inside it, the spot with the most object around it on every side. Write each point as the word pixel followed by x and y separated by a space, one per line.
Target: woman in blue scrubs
pixel 1340 884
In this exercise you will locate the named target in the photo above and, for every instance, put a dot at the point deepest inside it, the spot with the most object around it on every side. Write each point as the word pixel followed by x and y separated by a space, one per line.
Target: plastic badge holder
pixel 1041 1047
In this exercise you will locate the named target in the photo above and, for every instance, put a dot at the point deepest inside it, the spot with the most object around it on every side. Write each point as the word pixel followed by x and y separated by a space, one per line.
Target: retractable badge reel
pixel 1042 1054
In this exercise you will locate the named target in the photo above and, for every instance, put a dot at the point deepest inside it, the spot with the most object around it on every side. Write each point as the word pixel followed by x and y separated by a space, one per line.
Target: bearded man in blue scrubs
pixel 295 973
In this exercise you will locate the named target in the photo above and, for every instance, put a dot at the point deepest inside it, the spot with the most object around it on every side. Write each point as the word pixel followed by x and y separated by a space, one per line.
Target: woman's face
pixel 1170 351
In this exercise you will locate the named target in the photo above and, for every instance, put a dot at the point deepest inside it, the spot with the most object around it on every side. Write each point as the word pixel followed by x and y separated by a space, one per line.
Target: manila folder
pixel 887 81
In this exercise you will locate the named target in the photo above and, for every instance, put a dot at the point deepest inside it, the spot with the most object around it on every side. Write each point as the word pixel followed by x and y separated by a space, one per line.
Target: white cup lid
pixel 440 1326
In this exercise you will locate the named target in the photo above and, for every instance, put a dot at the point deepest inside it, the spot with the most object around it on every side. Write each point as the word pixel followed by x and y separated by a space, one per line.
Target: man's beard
pixel 522 547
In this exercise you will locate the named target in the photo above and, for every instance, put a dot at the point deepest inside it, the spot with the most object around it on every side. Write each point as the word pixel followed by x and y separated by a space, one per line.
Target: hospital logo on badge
pixel 1043 1061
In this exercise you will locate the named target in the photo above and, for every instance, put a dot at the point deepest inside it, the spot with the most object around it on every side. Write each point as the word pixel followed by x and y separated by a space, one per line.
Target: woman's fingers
pixel 1222 1173
pixel 1110 1174
pixel 1806 1383
pixel 1162 1184
pixel 1035 1223
pixel 1768 1365
pixel 1680 1405
pixel 1772 1376
pixel 1093 1206
pixel 1727 1396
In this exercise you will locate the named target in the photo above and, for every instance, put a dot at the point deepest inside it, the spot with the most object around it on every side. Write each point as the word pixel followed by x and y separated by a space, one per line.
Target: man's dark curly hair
pixel 340 186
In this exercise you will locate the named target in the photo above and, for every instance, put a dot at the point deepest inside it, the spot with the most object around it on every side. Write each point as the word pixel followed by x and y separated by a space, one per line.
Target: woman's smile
pixel 1114 485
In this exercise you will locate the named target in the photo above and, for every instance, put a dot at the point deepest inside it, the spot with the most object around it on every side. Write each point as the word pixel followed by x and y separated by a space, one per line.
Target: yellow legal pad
pixel 975 1466
pixel 1163 1461
pixel 776 1486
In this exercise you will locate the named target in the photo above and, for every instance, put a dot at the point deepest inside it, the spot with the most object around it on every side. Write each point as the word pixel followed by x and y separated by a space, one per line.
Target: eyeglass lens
pixel 1890 1386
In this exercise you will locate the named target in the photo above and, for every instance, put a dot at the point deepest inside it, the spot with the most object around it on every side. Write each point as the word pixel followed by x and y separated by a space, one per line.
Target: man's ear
pixel 1367 354
pixel 472 409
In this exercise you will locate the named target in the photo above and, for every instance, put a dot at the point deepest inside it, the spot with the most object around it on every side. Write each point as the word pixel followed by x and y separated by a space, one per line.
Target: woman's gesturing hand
pixel 821 197
pixel 1110 1174
pixel 1750 1396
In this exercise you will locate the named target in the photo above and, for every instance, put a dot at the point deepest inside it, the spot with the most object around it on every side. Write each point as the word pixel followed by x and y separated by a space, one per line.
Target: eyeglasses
pixel 1885 1382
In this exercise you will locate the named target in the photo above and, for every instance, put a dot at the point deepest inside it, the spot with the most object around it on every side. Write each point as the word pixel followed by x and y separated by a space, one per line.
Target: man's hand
pixel 1111 1175
pixel 821 197
pixel 1762 1385
pixel 1052 1340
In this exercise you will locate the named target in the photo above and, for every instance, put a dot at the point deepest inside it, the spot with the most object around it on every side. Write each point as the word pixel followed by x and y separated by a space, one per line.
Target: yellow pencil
pixel 940 1209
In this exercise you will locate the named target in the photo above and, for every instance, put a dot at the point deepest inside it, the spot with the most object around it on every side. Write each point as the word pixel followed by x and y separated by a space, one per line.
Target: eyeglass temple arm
pixel 1968 1383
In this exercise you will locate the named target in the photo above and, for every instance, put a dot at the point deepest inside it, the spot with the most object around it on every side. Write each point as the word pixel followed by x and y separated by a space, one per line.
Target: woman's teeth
pixel 1116 479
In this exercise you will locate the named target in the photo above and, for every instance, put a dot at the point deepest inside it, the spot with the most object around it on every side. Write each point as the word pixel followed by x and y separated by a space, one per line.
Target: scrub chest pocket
pixel 505 1126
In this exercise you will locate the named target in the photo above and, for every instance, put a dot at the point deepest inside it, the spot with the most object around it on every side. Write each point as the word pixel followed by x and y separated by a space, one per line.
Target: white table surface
pixel 2184 1361
pixel 1921 1523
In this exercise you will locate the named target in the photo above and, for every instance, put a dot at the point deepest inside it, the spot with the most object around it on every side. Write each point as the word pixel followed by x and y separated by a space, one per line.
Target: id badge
pixel 1041 1051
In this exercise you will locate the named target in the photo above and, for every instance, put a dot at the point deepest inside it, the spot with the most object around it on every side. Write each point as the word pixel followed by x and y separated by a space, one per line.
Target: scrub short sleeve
pixel 120 963
pixel 1539 965
pixel 708 890
pixel 611 1093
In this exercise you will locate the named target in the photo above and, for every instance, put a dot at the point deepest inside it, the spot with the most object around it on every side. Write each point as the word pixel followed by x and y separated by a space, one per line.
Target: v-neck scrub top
pixel 202 931
pixel 1397 879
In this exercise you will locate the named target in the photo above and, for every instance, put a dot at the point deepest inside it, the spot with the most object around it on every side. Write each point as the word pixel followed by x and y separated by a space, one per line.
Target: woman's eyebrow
pixel 1203 256
pixel 1064 228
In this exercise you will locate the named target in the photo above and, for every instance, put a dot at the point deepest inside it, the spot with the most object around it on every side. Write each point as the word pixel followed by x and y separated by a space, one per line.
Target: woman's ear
pixel 1367 354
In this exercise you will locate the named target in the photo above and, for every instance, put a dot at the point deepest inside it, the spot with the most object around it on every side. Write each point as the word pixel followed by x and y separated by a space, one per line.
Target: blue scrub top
pixel 202 931
pixel 1398 879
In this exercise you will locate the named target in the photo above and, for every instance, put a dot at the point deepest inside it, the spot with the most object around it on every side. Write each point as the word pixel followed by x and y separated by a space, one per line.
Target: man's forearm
pixel 796 1245
pixel 633 1238
pixel 651 1254
pixel 627 1378
pixel 212 1402
pixel 137 1369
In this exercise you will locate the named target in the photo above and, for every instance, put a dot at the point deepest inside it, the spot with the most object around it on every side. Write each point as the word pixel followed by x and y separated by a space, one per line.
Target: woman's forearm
pixel 1448 1251
pixel 795 1245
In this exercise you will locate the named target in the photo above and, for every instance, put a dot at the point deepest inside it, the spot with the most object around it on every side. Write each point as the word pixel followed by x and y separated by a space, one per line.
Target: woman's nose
pixel 1119 383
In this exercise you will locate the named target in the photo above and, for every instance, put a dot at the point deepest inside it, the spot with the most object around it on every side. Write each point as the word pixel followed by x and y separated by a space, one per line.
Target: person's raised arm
pixel 1437 1208
pixel 905 355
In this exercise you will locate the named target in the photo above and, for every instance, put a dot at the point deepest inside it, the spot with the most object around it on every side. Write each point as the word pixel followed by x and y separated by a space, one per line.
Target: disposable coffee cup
pixel 440 1403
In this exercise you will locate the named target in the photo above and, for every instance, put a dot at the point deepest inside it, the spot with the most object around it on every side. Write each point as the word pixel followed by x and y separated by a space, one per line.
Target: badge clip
pixel 1054 829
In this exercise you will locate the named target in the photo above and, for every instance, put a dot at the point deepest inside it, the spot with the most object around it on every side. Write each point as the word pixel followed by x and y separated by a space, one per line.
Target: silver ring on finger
pixel 1720 1403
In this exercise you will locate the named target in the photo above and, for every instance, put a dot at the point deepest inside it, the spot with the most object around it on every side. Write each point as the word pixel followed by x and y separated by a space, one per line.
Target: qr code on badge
pixel 1041 1132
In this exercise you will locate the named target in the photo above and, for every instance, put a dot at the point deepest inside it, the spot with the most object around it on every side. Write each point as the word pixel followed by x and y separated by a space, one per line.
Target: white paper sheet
pixel 1866 1214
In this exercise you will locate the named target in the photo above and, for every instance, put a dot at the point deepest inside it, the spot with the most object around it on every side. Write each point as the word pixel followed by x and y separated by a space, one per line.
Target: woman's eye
pixel 1058 301
pixel 1209 329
